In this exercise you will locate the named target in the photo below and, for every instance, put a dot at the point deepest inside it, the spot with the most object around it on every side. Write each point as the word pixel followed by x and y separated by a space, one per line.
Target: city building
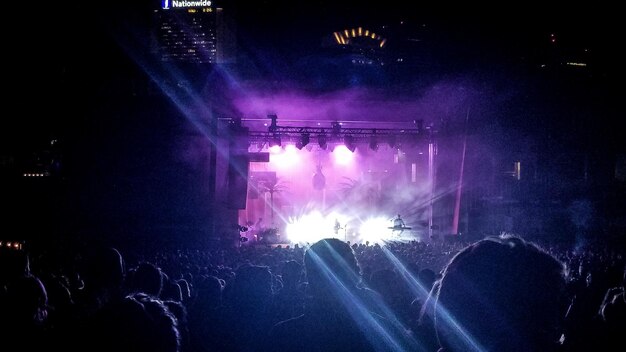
pixel 196 32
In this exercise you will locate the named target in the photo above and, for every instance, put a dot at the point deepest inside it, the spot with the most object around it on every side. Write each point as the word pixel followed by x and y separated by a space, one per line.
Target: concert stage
pixel 312 178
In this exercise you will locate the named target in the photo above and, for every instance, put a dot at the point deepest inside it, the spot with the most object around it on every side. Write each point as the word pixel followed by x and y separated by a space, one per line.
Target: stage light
pixel 391 140
pixel 275 149
pixel 274 126
pixel 348 141
pixel 274 141
pixel 312 227
pixel 286 158
pixel 304 141
pixel 306 228
pixel 343 156
pixel 375 230
pixel 322 141
pixel 373 143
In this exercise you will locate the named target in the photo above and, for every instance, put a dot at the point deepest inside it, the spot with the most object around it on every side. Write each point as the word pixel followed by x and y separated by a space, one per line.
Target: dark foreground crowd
pixel 497 294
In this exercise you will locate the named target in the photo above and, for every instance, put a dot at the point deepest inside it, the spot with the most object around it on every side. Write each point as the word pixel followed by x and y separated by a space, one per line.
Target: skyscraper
pixel 195 31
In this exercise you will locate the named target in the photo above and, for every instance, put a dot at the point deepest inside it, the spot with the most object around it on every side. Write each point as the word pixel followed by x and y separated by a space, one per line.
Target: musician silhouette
pixel 337 226
pixel 398 226
pixel 398 223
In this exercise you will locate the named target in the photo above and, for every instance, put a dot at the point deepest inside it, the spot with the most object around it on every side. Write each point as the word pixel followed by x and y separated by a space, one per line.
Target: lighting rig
pixel 337 133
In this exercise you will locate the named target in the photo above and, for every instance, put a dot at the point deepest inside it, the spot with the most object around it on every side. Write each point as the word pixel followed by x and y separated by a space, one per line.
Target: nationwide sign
pixel 174 4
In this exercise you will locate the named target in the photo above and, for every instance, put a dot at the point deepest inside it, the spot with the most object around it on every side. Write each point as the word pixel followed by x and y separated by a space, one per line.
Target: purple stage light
pixel 286 158
pixel 343 156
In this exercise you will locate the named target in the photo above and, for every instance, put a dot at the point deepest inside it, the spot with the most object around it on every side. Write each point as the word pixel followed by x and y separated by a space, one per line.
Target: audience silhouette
pixel 501 294
pixel 498 294
pixel 338 313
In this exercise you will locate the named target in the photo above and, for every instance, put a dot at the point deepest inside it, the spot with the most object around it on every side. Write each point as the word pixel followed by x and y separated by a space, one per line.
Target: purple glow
pixel 284 159
pixel 314 226
pixel 354 188
pixel 343 156
pixel 356 104
pixel 276 149
pixel 375 230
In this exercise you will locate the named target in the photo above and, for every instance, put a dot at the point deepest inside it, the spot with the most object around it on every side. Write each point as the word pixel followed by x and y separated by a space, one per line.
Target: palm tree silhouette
pixel 271 186
pixel 357 191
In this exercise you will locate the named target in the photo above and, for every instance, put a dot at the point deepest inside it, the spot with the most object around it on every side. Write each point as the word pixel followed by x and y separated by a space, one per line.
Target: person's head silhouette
pixel 339 315
pixel 501 294
pixel 330 262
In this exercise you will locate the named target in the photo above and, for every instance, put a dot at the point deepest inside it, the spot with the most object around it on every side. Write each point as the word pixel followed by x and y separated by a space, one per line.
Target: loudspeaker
pixel 238 167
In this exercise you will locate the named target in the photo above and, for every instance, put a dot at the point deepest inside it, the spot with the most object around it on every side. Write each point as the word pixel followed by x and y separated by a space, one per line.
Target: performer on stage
pixel 398 226
pixel 399 223
pixel 337 226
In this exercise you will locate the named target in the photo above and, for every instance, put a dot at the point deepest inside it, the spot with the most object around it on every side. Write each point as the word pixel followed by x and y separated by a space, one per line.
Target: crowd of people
pixel 496 294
